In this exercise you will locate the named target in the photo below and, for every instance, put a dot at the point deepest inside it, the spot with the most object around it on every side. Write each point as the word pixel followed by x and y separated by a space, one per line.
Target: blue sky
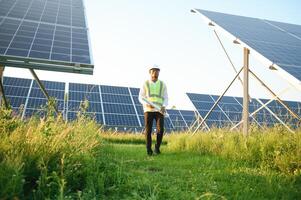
pixel 128 36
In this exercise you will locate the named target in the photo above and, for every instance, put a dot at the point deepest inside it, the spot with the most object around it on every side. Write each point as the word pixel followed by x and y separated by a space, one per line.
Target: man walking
pixel 154 92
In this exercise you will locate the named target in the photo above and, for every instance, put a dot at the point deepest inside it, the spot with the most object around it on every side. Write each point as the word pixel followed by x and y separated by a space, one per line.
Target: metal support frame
pixel 42 87
pixel 2 87
pixel 263 105
pixel 217 101
pixel 275 96
pixel 197 121
pixel 263 84
pixel 245 114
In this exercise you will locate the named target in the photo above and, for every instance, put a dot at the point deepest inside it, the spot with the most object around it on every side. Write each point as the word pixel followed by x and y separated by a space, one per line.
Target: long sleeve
pixel 165 96
pixel 142 93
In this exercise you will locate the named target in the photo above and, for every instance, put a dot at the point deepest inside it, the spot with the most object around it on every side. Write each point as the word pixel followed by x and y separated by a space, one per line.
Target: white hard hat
pixel 154 67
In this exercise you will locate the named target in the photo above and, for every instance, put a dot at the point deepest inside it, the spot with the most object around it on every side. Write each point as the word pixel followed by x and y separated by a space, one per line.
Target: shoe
pixel 157 150
pixel 150 153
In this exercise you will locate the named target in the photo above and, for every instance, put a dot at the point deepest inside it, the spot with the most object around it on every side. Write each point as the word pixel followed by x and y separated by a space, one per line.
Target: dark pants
pixel 149 117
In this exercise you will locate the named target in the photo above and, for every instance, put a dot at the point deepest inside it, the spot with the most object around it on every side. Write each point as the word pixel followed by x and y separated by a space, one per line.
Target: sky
pixel 129 36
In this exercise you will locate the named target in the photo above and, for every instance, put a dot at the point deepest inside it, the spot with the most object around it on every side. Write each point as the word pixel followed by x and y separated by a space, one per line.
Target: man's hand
pixel 163 110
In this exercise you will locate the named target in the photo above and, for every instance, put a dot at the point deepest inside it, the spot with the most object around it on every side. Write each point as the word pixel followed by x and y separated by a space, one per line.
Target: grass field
pixel 51 159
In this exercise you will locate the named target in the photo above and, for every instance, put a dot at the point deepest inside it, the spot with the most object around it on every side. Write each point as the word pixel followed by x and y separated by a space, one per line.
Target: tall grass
pixel 273 148
pixel 50 159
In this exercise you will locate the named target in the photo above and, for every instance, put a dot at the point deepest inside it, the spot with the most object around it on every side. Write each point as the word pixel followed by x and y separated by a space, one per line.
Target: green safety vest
pixel 155 92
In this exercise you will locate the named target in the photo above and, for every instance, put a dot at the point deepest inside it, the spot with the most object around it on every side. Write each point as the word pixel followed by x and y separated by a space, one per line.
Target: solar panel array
pixel 45 31
pixel 115 107
pixel 279 42
pixel 228 111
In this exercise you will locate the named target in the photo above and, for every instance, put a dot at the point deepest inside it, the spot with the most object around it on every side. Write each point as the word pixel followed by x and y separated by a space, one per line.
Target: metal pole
pixel 2 87
pixel 245 115
pixel 217 101
pixel 42 88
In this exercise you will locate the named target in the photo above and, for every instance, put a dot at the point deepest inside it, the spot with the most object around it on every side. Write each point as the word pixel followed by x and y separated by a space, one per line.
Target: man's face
pixel 154 74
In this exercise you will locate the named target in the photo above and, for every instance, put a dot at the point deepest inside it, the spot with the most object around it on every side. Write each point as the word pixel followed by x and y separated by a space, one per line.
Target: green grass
pixel 190 175
pixel 51 159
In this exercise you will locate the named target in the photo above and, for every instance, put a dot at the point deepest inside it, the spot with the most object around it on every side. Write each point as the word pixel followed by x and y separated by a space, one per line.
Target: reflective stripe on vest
pixel 155 92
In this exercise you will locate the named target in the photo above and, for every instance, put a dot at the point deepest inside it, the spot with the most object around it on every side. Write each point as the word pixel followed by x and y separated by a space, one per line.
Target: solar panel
pixel 278 42
pixel 229 110
pixel 37 102
pixel 189 116
pixel 117 108
pixel 16 91
pixel 48 35
pixel 177 119
pixel 80 93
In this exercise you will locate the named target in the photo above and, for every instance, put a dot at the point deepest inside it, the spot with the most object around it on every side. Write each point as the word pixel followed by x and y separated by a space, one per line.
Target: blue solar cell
pixel 16 102
pixel 82 96
pixel 141 118
pixel 37 93
pixel 34 112
pixel 173 112
pixel 92 106
pixel 121 120
pixel 50 85
pixel 168 124
pixel 135 91
pixel 120 99
pixel 234 116
pixel 16 81
pixel 291 28
pixel 199 97
pixel 16 91
pixel 279 42
pixel 38 103
pixel 114 90
pixel 98 117
pixel 203 105
pixel 83 87
pixel 118 108
pixel 136 100
pixel 225 99
pixel 139 109
pixel 231 107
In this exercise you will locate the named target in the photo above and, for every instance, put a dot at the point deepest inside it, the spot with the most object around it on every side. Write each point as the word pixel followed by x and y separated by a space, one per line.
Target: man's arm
pixel 141 95
pixel 165 100
pixel 165 96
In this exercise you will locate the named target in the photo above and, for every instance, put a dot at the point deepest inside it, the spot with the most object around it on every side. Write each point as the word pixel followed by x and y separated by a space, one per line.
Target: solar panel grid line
pixel 183 119
pixel 284 30
pixel 11 8
pixel 26 101
pixel 265 106
pixel 101 103
pixel 88 36
pixel 199 115
pixel 14 35
pixel 222 111
pixel 36 32
pixel 250 114
pixel 176 118
pixel 275 116
pixel 134 107
pixel 54 34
